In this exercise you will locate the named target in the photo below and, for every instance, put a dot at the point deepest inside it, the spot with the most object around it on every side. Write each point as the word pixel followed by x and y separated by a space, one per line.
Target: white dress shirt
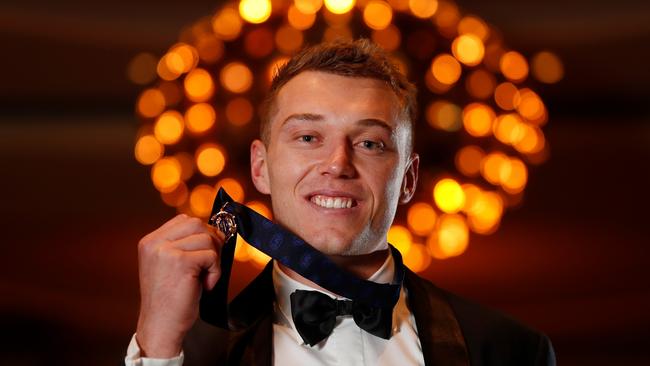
pixel 347 345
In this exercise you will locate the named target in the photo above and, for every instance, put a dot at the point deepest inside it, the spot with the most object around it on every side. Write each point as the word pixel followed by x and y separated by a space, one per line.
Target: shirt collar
pixel 284 286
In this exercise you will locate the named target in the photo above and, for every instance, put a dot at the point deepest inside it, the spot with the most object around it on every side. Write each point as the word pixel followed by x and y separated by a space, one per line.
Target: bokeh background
pixel 572 261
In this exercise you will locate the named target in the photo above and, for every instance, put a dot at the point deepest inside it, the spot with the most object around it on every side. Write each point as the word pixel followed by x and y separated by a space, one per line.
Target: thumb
pixel 208 261
pixel 210 280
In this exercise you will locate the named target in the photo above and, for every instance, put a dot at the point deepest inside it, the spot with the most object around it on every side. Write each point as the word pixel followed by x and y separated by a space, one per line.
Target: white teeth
pixel 337 203
pixel 332 202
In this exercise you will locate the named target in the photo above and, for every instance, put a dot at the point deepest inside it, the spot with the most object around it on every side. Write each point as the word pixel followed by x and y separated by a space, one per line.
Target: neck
pixel 362 266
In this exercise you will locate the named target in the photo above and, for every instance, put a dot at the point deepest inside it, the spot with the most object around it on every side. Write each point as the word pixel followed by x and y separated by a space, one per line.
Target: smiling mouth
pixel 333 202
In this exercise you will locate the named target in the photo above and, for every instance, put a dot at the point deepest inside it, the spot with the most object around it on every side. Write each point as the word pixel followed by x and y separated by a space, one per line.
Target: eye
pixel 307 138
pixel 373 145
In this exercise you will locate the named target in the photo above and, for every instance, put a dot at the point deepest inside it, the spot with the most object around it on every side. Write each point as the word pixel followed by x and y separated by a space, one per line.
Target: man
pixel 336 157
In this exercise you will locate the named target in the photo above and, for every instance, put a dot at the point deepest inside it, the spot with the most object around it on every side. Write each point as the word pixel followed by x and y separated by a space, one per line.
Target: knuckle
pixel 195 223
pixel 212 256
pixel 144 244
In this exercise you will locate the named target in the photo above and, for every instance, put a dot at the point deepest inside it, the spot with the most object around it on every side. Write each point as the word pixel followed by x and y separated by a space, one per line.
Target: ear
pixel 259 167
pixel 410 179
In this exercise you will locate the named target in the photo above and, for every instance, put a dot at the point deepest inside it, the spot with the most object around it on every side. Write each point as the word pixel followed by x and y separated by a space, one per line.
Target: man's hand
pixel 175 260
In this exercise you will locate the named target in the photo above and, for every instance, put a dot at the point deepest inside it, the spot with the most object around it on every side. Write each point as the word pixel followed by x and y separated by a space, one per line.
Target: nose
pixel 339 163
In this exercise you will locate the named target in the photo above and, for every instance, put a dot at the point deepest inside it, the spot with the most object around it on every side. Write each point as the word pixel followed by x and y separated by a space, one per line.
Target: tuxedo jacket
pixel 452 331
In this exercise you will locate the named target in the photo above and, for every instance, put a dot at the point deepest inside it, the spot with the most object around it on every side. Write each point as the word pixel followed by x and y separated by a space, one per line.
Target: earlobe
pixel 259 168
pixel 410 180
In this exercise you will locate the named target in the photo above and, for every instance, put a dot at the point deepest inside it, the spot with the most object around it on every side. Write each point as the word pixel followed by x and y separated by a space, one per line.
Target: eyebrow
pixel 366 122
pixel 303 117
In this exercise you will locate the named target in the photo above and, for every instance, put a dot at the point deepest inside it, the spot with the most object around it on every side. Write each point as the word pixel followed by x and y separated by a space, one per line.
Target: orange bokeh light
pixel 474 25
pixel 200 117
pixel 505 95
pixel 389 38
pixel 446 69
pixel 446 18
pixel 148 150
pixel 453 235
pixel 255 11
pixel 236 77
pixel 514 176
pixel 448 195
pixel 201 200
pixel 530 105
pixel 233 188
pixel 444 115
pixel 477 119
pixel 339 6
pixel 227 24
pixel 199 86
pixel 513 65
pixel 169 127
pixel 300 20
pixel 377 14
pixel 509 128
pixel 309 6
pixel 468 160
pixel 166 174
pixel 468 49
pixel 210 159
pixel 423 8
pixel 150 103
pixel 209 47
pixel 491 167
pixel 547 67
pixel 421 218
pixel 181 58
pixel 532 140
pixel 177 197
pixel 485 213
pixel 417 258
pixel 400 237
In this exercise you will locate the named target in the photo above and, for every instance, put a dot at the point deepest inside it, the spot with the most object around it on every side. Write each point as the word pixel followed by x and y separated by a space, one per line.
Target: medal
pixel 224 221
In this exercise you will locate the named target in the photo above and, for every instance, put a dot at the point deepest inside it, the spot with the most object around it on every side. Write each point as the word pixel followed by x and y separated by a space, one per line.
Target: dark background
pixel 572 261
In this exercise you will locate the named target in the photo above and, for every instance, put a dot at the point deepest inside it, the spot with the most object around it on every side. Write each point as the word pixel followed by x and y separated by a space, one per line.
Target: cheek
pixel 286 171
pixel 384 183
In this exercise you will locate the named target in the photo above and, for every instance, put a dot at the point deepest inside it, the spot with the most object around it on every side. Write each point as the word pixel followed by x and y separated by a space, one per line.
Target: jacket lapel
pixel 251 319
pixel 439 332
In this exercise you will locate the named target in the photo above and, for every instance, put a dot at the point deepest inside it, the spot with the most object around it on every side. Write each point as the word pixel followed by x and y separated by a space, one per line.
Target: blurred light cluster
pixel 200 105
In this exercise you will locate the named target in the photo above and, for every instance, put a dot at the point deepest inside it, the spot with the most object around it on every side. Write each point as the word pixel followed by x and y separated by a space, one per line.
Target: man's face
pixel 336 164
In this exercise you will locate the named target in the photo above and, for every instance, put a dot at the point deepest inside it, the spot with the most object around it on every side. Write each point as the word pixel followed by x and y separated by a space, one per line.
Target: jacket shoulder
pixel 491 337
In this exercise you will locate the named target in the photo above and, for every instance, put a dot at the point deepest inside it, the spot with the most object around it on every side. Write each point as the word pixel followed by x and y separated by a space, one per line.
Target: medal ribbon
pixel 294 253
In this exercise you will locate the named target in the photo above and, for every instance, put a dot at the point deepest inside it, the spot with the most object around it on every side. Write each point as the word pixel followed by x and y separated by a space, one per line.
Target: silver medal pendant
pixel 224 221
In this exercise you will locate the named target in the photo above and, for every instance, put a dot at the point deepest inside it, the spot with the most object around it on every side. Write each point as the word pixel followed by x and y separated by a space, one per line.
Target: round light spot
pixel 448 195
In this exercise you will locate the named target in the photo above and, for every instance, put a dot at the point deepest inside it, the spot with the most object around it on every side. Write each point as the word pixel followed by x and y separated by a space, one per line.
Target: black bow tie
pixel 314 315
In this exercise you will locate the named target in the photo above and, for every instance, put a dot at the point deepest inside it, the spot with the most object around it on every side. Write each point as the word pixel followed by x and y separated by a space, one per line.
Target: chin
pixel 344 246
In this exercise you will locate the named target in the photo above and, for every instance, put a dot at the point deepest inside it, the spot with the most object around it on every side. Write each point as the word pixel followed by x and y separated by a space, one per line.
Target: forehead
pixel 337 97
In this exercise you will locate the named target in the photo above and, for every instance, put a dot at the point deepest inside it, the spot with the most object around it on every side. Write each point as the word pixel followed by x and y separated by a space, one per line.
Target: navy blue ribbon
pixel 294 253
